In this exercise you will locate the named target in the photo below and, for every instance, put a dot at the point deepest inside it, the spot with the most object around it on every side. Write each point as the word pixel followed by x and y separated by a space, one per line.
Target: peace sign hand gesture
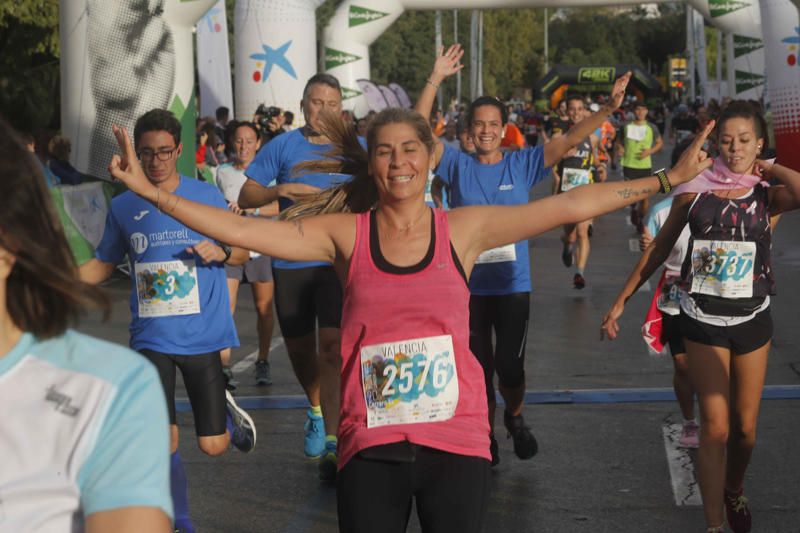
pixel 126 167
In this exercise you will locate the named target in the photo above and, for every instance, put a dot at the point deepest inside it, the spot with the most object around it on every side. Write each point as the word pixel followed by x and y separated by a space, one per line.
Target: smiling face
pixel 739 144
pixel 399 163
pixel 576 110
pixel 487 129
pixel 640 112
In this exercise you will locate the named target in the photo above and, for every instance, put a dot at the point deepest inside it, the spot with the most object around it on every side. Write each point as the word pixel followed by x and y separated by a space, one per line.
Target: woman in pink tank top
pixel 413 412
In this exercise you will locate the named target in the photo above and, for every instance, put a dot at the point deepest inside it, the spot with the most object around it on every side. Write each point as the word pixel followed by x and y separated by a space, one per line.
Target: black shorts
pixel 205 386
pixel 636 173
pixel 305 298
pixel 671 333
pixel 739 339
pixel 507 315
pixel 451 493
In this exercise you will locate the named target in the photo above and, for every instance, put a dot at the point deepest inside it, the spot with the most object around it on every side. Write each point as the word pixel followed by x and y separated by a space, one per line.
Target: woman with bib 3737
pixel 727 282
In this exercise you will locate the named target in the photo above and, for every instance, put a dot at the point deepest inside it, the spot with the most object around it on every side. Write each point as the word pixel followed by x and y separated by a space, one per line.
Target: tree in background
pixel 29 54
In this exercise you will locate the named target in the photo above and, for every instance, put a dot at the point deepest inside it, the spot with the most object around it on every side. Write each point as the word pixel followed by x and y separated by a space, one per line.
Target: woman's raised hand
pixel 126 167
pixel 447 63
pixel 694 160
pixel 618 91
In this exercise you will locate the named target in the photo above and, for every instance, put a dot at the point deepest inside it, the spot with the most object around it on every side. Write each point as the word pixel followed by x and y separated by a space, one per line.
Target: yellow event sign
pixel 596 75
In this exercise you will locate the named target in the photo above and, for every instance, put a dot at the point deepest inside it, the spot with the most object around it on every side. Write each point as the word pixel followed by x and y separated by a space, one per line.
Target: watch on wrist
pixel 227 250
pixel 666 186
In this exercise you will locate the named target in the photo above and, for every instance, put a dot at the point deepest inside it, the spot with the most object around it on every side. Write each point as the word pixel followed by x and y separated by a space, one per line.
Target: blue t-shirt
pixel 277 160
pixel 178 304
pixel 87 432
pixel 507 182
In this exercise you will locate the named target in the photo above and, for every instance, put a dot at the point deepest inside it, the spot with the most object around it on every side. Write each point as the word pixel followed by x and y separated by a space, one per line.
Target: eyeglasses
pixel 164 154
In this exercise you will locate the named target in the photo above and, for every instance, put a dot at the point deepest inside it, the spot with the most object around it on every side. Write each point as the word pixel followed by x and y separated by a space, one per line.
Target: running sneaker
pixel 244 432
pixel 230 383
pixel 328 462
pixel 739 518
pixel 525 445
pixel 315 435
pixel 566 255
pixel 578 281
pixel 494 450
pixel 263 374
pixel 690 437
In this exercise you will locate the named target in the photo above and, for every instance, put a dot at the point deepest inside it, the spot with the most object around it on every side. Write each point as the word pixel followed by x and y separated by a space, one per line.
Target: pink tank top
pixel 407 371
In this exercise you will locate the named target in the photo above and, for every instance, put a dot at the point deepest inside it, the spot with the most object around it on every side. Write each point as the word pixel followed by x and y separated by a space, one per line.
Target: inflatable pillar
pixel 120 60
pixel 276 53
pixel 355 25
pixel 782 31
pixel 743 20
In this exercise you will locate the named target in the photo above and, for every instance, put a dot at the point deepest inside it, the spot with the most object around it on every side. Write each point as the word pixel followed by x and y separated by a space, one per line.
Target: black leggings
pixel 508 315
pixel 451 493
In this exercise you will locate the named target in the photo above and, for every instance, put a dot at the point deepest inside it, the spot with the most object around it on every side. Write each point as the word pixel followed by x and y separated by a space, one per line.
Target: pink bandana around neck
pixel 719 177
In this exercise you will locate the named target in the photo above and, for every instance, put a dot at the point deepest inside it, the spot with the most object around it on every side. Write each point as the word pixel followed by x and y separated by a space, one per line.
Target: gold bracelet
pixel 433 84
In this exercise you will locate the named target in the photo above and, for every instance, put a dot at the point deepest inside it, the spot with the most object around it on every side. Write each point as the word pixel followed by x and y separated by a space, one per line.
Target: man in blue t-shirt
pixel 179 299
pixel 307 294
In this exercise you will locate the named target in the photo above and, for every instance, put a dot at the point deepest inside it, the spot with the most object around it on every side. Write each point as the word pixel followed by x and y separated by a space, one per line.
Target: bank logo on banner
pixel 794 43
pixel 335 58
pixel 269 58
pixel 745 45
pixel 719 8
pixel 212 20
pixel 362 15
pixel 747 80
pixel 348 93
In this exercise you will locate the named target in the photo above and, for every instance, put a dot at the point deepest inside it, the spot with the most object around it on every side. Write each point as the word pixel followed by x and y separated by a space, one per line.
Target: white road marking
pixel 250 358
pixel 633 245
pixel 681 467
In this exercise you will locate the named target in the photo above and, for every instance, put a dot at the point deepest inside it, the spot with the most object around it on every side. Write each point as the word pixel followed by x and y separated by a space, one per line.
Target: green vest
pixel 633 146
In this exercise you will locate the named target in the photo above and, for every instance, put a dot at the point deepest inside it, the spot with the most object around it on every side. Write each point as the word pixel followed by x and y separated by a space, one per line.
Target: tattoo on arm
pixel 627 192
pixel 299 225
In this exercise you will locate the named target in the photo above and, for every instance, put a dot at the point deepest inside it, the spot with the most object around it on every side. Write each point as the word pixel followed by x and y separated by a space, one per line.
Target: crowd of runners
pixel 394 249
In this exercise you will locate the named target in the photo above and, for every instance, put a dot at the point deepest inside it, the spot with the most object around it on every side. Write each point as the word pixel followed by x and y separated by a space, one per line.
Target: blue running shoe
pixel 315 435
pixel 328 462
pixel 243 432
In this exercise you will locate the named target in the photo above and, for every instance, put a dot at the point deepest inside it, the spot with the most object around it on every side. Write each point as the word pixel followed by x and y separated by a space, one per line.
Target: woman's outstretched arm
pixel 310 239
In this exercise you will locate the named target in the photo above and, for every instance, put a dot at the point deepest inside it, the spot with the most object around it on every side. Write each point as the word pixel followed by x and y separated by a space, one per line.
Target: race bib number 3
pixel 574 177
pixel 723 268
pixel 410 381
pixel 501 254
pixel 167 288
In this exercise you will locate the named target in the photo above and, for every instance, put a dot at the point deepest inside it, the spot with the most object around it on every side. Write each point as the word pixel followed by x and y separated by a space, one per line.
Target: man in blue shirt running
pixel 308 296
pixel 180 313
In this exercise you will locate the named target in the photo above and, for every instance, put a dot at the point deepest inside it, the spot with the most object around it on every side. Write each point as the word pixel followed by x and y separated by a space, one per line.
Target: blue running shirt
pixel 277 160
pixel 507 182
pixel 179 305
pixel 86 431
